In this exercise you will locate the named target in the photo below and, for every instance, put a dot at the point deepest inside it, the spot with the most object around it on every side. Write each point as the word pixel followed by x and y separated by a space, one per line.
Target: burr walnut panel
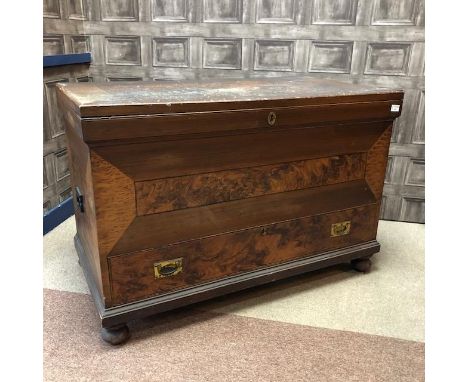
pixel 221 256
pixel 197 190
pixel 151 231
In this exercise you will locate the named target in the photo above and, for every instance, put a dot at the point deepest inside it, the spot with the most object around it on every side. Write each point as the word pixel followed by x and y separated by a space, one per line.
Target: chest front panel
pixel 196 199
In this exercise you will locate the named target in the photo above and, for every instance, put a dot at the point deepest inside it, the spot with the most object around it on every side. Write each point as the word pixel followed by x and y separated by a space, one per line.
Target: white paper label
pixel 395 108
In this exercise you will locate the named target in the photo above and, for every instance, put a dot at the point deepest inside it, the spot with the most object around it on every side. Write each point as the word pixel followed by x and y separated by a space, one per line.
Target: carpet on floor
pixel 194 345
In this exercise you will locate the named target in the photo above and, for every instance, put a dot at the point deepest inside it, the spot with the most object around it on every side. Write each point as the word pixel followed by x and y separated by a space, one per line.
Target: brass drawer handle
pixel 341 228
pixel 167 268
pixel 271 118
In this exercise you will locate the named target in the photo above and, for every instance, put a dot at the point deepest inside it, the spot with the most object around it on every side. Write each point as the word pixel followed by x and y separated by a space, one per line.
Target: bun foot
pixel 115 335
pixel 361 265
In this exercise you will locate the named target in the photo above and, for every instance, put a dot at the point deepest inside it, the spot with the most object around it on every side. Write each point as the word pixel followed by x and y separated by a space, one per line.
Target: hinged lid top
pixel 133 98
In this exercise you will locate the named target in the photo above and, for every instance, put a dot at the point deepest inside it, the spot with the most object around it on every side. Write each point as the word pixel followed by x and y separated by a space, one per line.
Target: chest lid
pixel 159 97
pixel 139 110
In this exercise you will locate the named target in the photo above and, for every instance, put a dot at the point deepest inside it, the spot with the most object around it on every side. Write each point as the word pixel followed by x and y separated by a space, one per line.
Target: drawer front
pixel 149 273
pixel 169 194
pixel 104 129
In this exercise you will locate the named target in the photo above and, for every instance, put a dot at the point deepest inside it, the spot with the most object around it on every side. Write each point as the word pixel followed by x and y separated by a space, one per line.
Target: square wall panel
pixel 222 54
pixel 334 12
pixel 387 58
pixel 53 45
pixel 222 11
pixel 171 52
pixel 80 44
pixel 51 9
pixel 331 57
pixel 275 55
pixel 77 9
pixel 65 195
pixel 123 51
pixel 415 174
pixel 61 164
pixel 276 11
pixel 169 10
pixel 391 12
pixel 119 10
pixel 56 120
pixel 412 209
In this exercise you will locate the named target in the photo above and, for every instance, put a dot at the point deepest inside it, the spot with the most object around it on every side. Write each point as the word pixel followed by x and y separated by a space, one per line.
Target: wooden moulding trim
pixel 92 284
pixel 156 125
pixel 124 313
pixel 142 109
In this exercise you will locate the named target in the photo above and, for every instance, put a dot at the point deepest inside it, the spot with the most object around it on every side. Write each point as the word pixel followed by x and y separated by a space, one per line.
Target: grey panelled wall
pixel 56 175
pixel 377 42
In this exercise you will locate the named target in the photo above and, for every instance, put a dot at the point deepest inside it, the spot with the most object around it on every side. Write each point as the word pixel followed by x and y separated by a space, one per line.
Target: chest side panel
pixel 82 180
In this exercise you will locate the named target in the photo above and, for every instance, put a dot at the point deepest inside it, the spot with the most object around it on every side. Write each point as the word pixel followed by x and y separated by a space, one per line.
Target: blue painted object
pixel 57 215
pixel 66 59
pixel 64 210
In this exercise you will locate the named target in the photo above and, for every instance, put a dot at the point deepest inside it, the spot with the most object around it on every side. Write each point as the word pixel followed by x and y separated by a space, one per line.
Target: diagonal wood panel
pixel 377 163
pixel 114 194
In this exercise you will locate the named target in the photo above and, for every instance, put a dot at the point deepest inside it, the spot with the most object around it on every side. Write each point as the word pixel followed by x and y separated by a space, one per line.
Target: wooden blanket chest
pixel 188 190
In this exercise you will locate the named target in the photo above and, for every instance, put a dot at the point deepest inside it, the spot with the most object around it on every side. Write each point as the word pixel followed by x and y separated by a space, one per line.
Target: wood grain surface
pixel 86 226
pixel 156 160
pixel 376 165
pixel 151 231
pixel 114 195
pixel 97 130
pixel 224 255
pixel 197 190
pixel 113 98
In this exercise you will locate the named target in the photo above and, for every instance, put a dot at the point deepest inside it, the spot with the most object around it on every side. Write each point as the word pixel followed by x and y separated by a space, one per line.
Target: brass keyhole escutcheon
pixel 271 118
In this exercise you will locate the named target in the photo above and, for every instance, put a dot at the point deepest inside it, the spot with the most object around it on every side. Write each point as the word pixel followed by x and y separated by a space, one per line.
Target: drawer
pixel 130 127
pixel 148 273
pixel 170 194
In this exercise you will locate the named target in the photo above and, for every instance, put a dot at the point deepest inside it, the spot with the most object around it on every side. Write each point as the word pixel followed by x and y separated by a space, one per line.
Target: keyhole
pixel 271 118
